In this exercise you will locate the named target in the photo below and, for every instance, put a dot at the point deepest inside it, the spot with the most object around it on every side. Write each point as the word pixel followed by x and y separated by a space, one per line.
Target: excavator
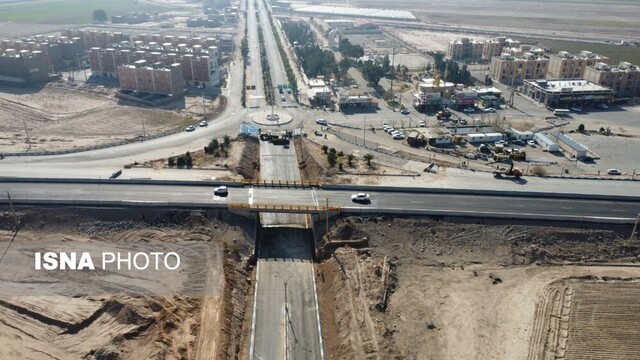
pixel 501 171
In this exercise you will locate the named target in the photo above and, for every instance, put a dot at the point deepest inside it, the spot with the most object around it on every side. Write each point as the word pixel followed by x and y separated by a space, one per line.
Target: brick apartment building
pixel 199 65
pixel 155 78
pixel 509 69
pixel 623 79
pixel 463 49
pixel 60 52
pixel 571 66
pixel 24 66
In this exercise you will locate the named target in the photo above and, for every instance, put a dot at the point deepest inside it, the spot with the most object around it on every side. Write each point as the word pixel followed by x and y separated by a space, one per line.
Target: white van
pixel 561 112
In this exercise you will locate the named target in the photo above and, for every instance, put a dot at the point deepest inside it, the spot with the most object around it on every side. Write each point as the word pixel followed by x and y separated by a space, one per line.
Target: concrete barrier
pixel 122 181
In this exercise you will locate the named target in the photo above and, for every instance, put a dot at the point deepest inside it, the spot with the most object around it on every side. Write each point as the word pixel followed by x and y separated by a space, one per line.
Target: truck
pixel 507 172
pixel 443 114
pixel 561 112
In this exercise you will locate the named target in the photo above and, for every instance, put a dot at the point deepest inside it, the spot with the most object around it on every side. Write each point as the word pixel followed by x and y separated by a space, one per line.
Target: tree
pixel 325 148
pixel 344 66
pixel 332 158
pixel 181 161
pixel 581 127
pixel 368 157
pixel 171 162
pixel 226 140
pixel 350 159
pixel 99 15
pixel 244 48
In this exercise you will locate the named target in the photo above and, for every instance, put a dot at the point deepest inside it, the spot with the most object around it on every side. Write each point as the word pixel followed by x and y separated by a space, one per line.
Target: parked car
pixel 518 142
pixel 398 137
pixel 576 109
pixel 469 110
pixel 501 142
pixel 203 123
pixel 361 198
pixel 321 122
pixel 190 128
pixel 531 143
pixel 613 172
pixel 405 111
pixel 422 124
pixel 317 132
pixel 385 124
pixel 603 106
pixel 463 121
pixel 390 130
pixel 288 91
pixel 490 110
pixel 283 98
pixel 221 191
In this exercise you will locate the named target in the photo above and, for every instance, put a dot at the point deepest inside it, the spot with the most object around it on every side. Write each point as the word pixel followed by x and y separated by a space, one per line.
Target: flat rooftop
pixel 560 86
pixel 354 12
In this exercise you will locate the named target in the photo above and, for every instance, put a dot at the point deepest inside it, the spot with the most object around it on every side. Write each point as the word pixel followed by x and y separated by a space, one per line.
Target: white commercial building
pixel 484 137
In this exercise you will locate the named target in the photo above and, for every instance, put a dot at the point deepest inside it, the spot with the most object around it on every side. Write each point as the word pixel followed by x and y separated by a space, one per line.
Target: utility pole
pixel 13 211
pixel 635 226
pixel 26 130
pixel 327 218
pixel 144 131
pixel 204 109
pixel 364 131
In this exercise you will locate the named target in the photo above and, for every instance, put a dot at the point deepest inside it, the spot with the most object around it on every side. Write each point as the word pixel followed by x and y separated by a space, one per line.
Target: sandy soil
pixel 120 326
pixel 453 290
pixel 430 40
pixel 61 117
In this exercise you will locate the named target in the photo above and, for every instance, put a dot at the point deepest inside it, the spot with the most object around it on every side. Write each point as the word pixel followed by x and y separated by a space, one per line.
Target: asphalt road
pixel 278 73
pixel 285 321
pixel 255 98
pixel 473 205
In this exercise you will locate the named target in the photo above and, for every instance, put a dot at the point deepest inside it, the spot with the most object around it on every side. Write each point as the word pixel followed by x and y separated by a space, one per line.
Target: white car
pixel 190 128
pixel 531 143
pixel 203 123
pixel 501 142
pixel 613 172
pixel 390 130
pixel 405 111
pixel 360 197
pixel 423 124
pixel 385 124
pixel 321 122
pixel 398 137
pixel 317 132
pixel 221 191
pixel 469 110
pixel 490 110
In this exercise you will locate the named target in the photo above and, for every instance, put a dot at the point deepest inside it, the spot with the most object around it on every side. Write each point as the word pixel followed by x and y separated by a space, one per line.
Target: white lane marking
pixel 315 197
pixel 255 305
pixel 566 208
pixel 251 195
pixel 516 205
pixel 315 298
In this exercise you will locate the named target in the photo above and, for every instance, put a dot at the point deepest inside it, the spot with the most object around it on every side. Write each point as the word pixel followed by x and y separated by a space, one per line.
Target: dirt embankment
pixel 425 289
pixel 120 326
pixel 311 167
pixel 249 164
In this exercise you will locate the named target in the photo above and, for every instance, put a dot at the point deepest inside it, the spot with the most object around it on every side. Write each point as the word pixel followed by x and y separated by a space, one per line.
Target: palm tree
pixel 368 157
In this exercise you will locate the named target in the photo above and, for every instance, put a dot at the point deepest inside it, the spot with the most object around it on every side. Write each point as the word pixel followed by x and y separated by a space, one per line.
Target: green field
pixel 615 53
pixel 68 11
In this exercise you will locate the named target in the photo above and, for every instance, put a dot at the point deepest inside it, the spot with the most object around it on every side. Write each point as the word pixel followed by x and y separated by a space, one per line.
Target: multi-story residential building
pixel 623 79
pixel 509 69
pixel 464 49
pixel 493 47
pixel 523 50
pixel 156 78
pixel 23 66
pixel 199 66
pixel 571 66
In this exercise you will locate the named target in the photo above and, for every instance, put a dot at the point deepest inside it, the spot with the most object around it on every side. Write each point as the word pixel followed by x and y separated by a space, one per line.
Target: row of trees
pixel 264 61
pixel 181 161
pixel 335 157
pixel 216 148
pixel 317 61
pixel 298 31
pixel 244 51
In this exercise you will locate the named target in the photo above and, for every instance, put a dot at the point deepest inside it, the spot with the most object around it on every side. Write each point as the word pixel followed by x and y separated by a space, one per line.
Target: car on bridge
pixel 221 191
pixel 361 198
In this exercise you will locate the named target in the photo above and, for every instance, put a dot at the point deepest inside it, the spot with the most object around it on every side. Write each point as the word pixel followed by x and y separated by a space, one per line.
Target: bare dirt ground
pixel 60 117
pixel 425 289
pixel 430 40
pixel 121 326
